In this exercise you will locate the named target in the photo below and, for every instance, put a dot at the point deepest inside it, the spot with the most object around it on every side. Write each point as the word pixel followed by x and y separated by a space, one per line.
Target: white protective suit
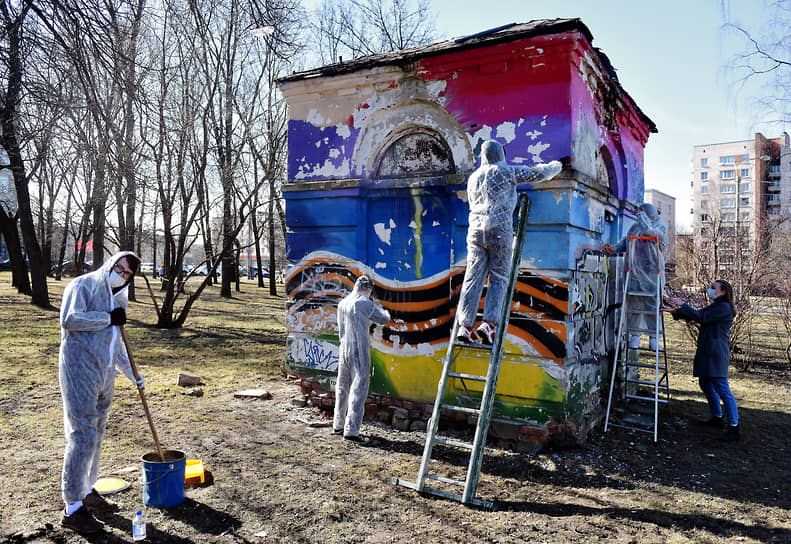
pixel 491 193
pixel 90 351
pixel 355 313
pixel 645 262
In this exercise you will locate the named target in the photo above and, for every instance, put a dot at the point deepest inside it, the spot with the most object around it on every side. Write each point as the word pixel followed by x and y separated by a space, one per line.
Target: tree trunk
pixel 19 278
pixel 8 114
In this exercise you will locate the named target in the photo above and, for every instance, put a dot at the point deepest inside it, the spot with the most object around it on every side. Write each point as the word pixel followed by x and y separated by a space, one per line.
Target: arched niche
pixel 424 119
pixel 414 151
pixel 605 170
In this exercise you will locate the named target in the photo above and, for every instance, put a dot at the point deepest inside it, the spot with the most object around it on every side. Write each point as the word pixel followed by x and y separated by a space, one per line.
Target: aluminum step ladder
pixel 484 412
pixel 645 369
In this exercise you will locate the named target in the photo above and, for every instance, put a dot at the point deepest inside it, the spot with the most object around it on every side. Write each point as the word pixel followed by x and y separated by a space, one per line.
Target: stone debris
pixel 253 394
pixel 194 392
pixel 185 379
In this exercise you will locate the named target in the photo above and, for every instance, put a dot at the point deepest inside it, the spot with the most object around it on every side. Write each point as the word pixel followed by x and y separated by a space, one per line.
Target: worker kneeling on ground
pixel 491 193
pixel 355 314
pixel 91 348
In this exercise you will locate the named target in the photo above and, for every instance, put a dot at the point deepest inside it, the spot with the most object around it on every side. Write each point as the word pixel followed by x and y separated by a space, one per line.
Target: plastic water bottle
pixel 139 526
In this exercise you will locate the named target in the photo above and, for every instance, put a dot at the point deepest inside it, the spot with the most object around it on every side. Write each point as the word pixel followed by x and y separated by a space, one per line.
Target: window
pixel 774 168
pixel 772 197
pixel 727 202
pixel 730 216
pixel 704 217
pixel 727 174
pixel 745 201
pixel 744 172
pixel 704 176
pixel 704 203
pixel 729 188
pixel 745 188
pixel 745 216
pixel 704 163
pixel 704 189
pixel 727 159
pixel 773 211
pixel 745 158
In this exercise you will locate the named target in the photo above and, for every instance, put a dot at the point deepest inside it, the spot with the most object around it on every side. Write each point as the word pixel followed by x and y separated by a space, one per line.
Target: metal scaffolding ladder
pixel 645 369
pixel 484 412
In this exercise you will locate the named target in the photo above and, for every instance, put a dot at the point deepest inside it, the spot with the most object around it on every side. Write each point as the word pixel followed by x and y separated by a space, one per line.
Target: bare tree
pixel 766 59
pixel 724 250
pixel 14 42
pixel 355 28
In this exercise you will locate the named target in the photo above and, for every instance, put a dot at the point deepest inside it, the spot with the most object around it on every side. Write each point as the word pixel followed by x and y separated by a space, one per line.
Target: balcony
pixel 773 187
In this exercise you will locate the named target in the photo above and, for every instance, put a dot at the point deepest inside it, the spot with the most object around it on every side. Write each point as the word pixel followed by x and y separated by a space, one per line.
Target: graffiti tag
pixel 313 353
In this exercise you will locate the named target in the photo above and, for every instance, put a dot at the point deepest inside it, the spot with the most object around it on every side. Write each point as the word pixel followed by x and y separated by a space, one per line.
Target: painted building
pixel 379 152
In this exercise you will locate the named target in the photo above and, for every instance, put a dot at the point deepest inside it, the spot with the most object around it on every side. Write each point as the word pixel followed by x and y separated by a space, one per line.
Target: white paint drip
pixel 380 264
pixel 315 118
pixel 384 232
pixel 536 150
pixel 343 131
pixel 507 131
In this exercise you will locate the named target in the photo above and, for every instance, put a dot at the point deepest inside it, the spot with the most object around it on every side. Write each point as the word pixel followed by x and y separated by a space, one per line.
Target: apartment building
pixel 666 206
pixel 740 189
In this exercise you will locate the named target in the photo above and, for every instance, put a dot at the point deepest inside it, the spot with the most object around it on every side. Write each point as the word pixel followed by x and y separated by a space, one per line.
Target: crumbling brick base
pixel 405 415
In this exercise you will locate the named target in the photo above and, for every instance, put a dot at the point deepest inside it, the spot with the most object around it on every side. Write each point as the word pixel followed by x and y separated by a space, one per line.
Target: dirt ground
pixel 281 476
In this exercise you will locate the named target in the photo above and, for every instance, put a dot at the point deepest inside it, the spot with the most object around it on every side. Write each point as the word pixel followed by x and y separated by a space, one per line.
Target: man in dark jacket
pixel 713 353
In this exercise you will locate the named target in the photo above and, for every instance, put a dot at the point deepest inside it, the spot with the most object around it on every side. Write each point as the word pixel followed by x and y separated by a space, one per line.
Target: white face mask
pixel 711 293
pixel 116 280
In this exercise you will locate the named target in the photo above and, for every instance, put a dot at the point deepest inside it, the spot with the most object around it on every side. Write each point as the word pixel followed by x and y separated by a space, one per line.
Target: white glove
pixel 140 382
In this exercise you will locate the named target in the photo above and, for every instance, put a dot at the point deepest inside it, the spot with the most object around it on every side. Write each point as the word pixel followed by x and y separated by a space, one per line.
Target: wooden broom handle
pixel 142 395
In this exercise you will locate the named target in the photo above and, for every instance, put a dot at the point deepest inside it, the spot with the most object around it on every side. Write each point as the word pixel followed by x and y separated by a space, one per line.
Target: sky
pixel 670 56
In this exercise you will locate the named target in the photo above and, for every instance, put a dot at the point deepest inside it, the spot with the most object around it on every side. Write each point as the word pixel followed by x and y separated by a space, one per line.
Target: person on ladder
pixel 491 194
pixel 644 265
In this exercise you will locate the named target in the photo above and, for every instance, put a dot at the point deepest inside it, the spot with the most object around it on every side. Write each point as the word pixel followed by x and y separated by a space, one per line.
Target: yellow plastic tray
pixel 193 472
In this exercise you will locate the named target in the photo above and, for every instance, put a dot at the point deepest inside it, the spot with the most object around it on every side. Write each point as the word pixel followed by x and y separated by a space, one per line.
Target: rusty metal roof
pixel 501 34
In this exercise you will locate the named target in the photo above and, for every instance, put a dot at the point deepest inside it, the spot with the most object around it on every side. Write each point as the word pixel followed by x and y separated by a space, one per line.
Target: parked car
pixel 200 270
pixel 5 265
pixel 264 273
pixel 147 268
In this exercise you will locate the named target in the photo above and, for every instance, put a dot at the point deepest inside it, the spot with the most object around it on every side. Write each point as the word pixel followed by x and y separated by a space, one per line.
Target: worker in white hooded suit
pixel 647 263
pixel 355 314
pixel 491 193
pixel 91 349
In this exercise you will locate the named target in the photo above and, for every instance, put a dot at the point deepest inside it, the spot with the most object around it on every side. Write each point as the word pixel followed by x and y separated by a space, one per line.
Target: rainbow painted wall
pixel 379 152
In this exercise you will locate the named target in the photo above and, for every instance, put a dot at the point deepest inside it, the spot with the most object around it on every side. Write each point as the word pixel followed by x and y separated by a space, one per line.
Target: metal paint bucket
pixel 164 482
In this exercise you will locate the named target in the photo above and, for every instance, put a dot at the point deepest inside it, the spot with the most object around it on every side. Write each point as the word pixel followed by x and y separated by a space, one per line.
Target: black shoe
pixel 95 501
pixel 337 431
pixel 362 440
pixel 82 522
pixel 732 434
pixel 715 422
